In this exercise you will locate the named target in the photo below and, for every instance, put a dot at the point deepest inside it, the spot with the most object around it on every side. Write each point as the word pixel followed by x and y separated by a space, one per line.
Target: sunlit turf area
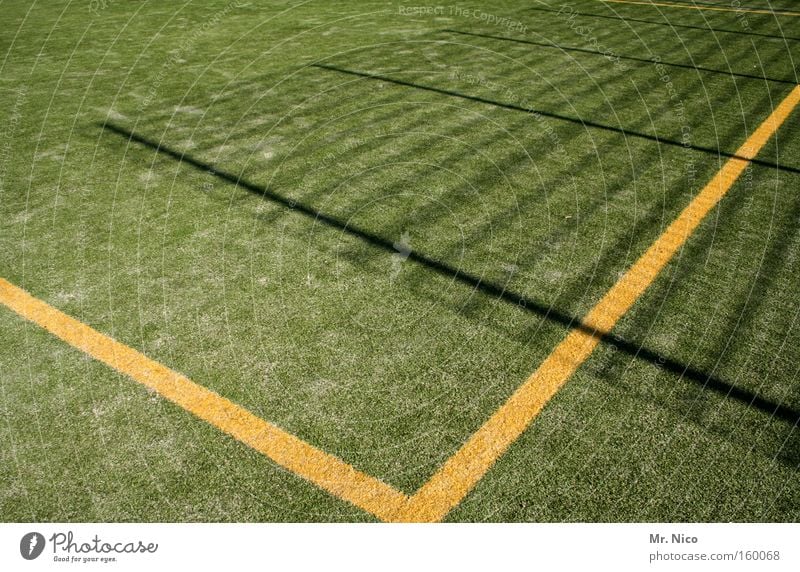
pixel 367 223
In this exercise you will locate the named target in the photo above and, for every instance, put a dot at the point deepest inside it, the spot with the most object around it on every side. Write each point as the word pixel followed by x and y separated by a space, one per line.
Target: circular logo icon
pixel 31 545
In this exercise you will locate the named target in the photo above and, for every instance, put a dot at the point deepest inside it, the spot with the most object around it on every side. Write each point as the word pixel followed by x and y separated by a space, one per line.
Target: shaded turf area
pixel 368 224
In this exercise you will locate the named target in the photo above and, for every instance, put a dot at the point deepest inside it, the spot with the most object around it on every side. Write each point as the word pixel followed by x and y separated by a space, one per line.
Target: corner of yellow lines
pixel 459 474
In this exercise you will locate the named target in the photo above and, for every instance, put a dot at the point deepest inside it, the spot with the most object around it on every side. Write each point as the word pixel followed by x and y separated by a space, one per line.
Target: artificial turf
pixel 368 224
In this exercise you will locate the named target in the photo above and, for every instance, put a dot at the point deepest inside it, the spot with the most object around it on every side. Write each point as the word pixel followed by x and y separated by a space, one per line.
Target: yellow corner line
pixel 322 469
pixel 714 8
pixel 451 483
pixel 462 471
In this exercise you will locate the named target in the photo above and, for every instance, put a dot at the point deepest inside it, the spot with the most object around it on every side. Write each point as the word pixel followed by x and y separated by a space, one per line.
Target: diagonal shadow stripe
pixel 668 24
pixel 630 58
pixel 578 121
pixel 487 288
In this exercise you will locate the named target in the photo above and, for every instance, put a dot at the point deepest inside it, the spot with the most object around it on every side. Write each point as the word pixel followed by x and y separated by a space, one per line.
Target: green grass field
pixel 368 223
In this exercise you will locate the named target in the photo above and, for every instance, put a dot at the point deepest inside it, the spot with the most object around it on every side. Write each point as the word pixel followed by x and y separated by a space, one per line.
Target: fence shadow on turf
pixel 734 331
pixel 498 291
pixel 585 123
pixel 628 58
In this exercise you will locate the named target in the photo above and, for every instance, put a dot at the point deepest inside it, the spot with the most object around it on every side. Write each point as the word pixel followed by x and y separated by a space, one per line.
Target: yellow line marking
pixel 714 8
pixel 322 469
pixel 462 471
pixel 451 483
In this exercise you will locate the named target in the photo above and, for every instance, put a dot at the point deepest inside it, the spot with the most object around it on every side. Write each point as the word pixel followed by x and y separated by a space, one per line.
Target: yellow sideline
pixel 462 471
pixel 322 469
